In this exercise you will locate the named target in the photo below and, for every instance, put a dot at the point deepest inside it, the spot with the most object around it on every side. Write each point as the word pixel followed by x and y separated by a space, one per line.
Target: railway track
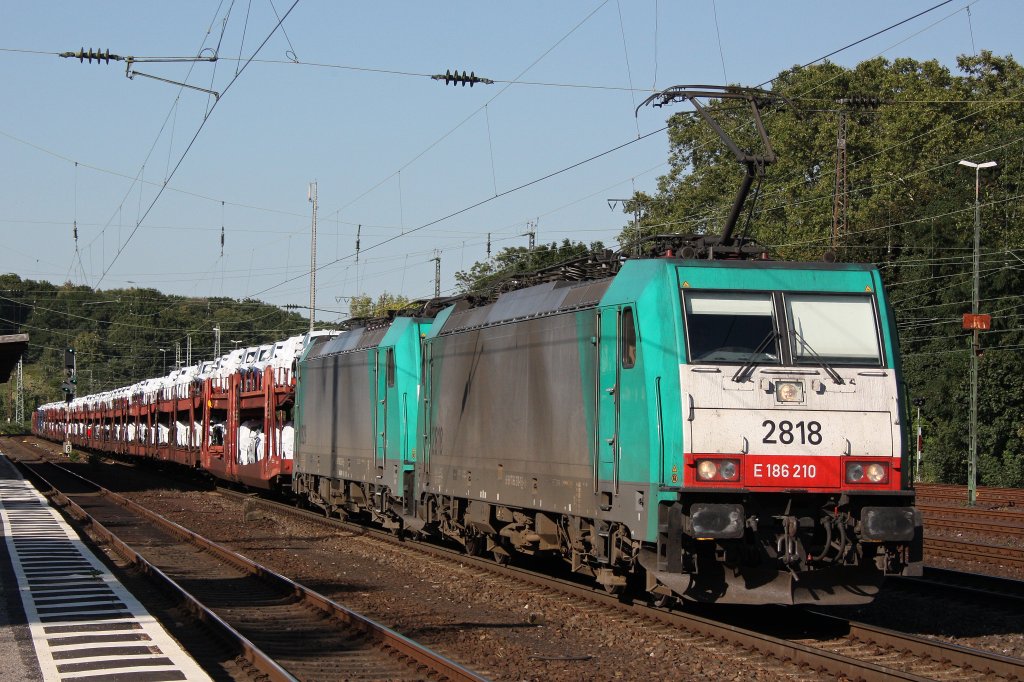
pixel 284 630
pixel 1001 524
pixel 974 551
pixel 1001 497
pixel 996 591
pixel 854 650
pixel 916 657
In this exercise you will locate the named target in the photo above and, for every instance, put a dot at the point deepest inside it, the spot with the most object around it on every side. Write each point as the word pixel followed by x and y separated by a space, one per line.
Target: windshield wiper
pixel 743 373
pixel 834 375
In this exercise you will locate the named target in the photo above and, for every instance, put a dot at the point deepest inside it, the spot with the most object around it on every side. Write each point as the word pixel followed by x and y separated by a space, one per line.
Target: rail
pixel 434 665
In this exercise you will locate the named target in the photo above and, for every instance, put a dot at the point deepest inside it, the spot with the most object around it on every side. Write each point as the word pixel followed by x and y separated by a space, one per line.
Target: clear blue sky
pixel 391 150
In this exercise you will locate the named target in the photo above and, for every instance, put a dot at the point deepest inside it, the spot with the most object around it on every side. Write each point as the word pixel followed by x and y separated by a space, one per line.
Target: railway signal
pixel 70 375
pixel 68 387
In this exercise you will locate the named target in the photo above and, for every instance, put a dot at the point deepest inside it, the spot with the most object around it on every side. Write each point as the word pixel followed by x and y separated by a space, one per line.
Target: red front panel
pixel 790 472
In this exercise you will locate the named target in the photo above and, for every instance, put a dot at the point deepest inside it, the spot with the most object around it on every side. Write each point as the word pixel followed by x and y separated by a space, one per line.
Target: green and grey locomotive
pixel 721 431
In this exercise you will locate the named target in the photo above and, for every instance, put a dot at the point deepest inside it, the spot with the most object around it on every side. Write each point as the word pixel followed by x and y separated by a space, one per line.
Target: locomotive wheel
pixel 662 601
pixel 501 558
pixel 475 545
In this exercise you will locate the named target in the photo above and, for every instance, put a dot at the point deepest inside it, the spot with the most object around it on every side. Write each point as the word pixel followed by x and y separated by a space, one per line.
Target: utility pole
pixel 177 354
pixel 531 232
pixel 312 259
pixel 975 322
pixel 216 342
pixel 359 232
pixel 918 402
pixel 437 273
pixel 188 351
pixel 839 193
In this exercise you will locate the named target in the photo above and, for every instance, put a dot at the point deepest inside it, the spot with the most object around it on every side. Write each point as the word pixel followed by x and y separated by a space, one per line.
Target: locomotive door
pixel 382 356
pixel 608 376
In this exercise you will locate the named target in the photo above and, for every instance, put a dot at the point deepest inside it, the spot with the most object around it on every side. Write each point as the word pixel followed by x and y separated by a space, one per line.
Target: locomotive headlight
pixel 718 470
pixel 867 472
pixel 876 472
pixel 706 469
pixel 789 391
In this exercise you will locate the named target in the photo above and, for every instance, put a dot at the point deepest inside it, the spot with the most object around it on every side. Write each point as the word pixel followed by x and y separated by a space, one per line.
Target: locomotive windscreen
pixel 840 329
pixel 731 327
pixel 769 328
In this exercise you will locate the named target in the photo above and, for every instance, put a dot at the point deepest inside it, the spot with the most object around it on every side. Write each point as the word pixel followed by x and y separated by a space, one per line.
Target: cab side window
pixel 628 339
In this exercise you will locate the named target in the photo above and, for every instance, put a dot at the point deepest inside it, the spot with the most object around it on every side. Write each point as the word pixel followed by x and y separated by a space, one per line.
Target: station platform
pixel 64 616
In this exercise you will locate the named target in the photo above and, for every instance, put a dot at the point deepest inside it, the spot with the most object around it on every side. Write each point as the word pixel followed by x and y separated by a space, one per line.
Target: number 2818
pixel 787 432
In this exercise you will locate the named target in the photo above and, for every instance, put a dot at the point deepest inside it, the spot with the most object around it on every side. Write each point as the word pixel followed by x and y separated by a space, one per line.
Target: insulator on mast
pixel 462 79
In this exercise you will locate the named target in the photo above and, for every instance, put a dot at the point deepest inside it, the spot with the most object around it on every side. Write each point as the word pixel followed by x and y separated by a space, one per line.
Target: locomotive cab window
pixel 391 367
pixel 836 328
pixel 628 339
pixel 731 327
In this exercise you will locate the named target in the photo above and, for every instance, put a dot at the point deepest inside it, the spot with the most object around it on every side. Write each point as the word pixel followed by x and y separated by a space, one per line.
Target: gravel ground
pixel 505 633
pixel 956 621
pixel 1001 570
pixel 510 633
pixel 959 621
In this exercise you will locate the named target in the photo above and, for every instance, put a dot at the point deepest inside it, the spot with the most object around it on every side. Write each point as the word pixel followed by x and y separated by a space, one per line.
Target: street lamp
pixel 236 342
pixel 972 463
pixel 164 351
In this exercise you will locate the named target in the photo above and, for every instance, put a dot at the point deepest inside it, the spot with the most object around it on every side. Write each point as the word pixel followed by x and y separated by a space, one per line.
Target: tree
pixel 362 306
pixel 484 276
pixel 117 333
pixel 909 209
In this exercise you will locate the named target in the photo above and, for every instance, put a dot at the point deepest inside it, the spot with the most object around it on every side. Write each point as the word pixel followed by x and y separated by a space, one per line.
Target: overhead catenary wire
pixel 443 137
pixel 854 43
pixel 139 176
pixel 934 7
pixel 477 204
pixel 191 143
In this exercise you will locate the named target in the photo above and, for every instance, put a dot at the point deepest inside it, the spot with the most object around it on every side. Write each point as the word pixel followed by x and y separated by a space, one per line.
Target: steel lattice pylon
pixel 19 400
